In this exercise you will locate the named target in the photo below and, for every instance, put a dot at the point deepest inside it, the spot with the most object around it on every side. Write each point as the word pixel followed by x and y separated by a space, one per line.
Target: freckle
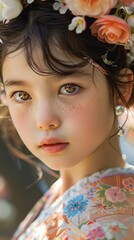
pixel 68 107
pixel 74 108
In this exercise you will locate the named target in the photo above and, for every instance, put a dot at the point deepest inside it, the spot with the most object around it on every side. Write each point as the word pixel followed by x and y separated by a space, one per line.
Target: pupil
pixel 70 88
pixel 23 96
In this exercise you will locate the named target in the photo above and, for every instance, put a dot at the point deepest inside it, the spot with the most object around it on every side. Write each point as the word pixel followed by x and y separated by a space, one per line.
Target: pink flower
pixel 129 184
pixel 114 194
pixel 95 234
pixel 65 238
pixel 91 8
pixel 111 29
pixel 127 2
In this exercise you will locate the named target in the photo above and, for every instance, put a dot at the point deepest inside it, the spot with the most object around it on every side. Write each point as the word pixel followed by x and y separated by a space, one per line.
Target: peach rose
pixel 91 8
pixel 111 29
pixel 127 2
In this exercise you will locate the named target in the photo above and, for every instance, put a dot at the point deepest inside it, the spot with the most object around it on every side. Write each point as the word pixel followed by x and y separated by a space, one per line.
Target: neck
pixel 105 157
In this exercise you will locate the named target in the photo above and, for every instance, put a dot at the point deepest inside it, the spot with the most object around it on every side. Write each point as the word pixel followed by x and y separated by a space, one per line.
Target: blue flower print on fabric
pixel 75 206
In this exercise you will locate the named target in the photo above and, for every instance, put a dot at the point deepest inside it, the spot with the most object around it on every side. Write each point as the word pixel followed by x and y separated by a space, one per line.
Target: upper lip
pixel 49 141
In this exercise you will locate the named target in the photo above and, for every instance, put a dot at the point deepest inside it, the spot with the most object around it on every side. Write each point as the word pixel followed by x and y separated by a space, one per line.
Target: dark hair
pixel 39 22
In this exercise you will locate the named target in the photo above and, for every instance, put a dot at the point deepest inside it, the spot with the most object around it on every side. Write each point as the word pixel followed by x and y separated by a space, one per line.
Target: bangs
pixel 40 24
pixel 52 49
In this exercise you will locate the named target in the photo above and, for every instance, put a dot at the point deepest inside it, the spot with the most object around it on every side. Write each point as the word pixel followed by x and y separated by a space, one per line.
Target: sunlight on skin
pixel 82 118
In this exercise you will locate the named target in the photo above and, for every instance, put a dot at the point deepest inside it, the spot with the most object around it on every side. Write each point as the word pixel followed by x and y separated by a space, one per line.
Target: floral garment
pixel 98 207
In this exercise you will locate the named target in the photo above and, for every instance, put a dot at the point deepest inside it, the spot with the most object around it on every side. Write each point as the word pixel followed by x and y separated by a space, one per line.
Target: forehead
pixel 20 59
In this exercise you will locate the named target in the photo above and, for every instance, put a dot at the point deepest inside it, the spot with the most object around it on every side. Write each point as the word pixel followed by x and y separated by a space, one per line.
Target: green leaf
pixel 129 194
pixel 104 186
pixel 121 204
pixel 83 223
pixel 101 193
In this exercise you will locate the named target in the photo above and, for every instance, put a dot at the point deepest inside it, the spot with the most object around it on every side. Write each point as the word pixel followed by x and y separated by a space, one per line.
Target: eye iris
pixel 23 95
pixel 70 88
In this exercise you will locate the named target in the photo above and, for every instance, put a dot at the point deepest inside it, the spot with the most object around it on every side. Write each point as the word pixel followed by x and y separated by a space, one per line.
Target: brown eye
pixel 69 89
pixel 22 96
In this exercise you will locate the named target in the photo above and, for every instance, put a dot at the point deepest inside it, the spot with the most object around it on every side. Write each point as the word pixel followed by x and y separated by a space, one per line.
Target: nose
pixel 47 117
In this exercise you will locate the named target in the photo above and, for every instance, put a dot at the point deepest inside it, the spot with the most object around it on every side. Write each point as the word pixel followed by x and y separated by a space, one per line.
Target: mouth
pixel 53 145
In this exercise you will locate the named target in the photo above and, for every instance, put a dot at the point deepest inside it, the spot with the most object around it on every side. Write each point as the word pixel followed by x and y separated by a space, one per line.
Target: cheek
pixel 21 121
pixel 94 116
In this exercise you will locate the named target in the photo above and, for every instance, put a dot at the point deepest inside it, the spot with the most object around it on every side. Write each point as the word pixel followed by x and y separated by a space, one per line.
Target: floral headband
pixel 117 28
pixel 113 19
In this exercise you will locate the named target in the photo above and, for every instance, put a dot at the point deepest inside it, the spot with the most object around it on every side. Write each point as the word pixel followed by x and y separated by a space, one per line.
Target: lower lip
pixel 54 148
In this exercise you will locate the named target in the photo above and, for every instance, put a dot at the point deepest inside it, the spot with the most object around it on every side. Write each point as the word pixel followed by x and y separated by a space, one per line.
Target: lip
pixel 53 145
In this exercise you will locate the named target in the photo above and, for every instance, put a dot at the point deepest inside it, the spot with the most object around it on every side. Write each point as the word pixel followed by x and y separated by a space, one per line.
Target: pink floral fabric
pixel 98 207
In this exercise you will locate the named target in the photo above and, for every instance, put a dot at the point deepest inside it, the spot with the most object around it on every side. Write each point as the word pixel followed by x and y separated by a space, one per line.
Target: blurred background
pixel 17 195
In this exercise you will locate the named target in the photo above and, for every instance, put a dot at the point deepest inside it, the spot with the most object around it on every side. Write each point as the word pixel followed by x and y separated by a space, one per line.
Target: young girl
pixel 65 73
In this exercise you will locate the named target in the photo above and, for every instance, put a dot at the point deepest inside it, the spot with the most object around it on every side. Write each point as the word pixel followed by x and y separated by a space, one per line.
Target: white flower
pixel 10 9
pixel 131 7
pixel 61 6
pixel 115 230
pixel 30 1
pixel 79 23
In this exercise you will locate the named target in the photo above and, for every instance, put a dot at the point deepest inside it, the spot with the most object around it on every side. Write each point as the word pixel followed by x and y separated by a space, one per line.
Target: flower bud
pixel 130 21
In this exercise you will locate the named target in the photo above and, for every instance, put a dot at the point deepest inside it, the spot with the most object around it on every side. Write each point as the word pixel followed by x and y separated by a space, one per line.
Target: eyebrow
pixel 9 83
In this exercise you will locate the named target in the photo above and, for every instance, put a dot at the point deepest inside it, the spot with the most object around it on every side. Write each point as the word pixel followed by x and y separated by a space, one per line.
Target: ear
pixel 126 87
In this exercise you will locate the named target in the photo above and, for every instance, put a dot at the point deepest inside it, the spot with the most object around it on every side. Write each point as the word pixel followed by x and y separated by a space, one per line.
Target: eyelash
pixel 76 87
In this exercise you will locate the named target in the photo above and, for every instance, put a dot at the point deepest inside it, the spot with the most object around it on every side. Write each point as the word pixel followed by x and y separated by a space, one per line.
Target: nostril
pixel 52 126
pixel 46 126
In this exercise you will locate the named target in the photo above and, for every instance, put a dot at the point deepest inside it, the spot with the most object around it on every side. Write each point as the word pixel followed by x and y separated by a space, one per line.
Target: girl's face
pixel 62 120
